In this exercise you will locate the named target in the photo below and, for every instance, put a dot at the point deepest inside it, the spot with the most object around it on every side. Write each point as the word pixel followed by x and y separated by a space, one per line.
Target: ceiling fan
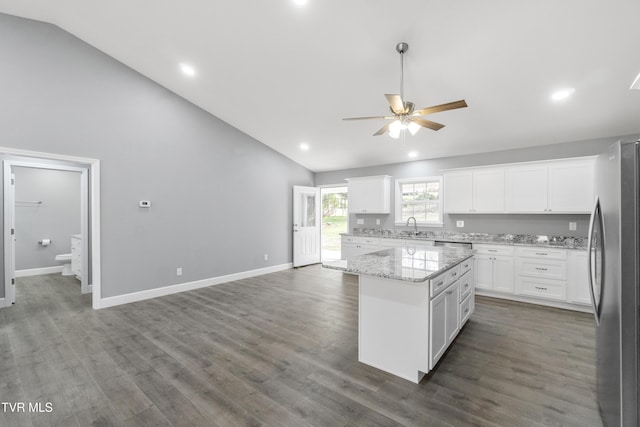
pixel 405 116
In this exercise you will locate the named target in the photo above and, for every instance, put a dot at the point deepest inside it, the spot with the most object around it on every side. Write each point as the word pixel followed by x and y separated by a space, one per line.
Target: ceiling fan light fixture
pixel 394 133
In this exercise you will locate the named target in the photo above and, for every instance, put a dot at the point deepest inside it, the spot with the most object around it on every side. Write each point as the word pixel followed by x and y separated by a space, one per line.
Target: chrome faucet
pixel 415 225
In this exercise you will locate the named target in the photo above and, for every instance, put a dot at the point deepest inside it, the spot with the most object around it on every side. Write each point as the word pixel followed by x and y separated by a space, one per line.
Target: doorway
pixel 335 216
pixel 89 229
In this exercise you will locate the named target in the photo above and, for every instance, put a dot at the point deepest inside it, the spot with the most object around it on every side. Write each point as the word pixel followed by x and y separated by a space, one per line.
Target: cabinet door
pixel 348 250
pixel 488 190
pixel 571 187
pixel 437 328
pixel 577 278
pixel 356 196
pixel 458 192
pixel 483 271
pixel 503 274
pixel 526 189
pixel 452 297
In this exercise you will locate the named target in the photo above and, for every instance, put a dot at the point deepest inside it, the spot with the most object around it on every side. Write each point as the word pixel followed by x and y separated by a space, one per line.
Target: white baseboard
pixel 188 286
pixel 3 302
pixel 39 271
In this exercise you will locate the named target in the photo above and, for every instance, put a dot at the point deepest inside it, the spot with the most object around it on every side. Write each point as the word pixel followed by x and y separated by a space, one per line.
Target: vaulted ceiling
pixel 287 74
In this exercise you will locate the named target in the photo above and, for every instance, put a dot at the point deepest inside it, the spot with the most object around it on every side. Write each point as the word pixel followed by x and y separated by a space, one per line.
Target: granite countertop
pixel 417 265
pixel 494 239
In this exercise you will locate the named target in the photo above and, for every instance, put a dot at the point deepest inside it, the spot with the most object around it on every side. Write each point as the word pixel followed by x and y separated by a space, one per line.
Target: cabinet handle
pixel 454 274
pixel 449 293
pixel 542 253
pixel 541 269
pixel 466 311
pixel 540 288
pixel 466 285
pixel 439 284
pixel 492 250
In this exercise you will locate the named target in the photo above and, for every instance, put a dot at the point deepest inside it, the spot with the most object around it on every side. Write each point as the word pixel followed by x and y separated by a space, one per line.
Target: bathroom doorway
pixel 33 247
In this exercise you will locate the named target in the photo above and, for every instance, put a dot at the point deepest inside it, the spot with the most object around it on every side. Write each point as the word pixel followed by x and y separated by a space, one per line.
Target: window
pixel 420 198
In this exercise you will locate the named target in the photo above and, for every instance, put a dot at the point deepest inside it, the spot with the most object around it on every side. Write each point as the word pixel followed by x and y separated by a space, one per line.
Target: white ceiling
pixel 287 74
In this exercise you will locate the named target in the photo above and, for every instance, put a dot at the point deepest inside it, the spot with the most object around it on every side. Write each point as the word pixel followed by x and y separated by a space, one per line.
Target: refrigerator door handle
pixel 592 223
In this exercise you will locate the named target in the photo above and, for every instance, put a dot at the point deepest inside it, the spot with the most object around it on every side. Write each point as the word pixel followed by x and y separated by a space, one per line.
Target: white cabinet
pixel 577 278
pixel 555 187
pixel 370 195
pixel 541 273
pixel 474 191
pixel 494 268
pixel 444 322
pixel 386 243
pixel 571 186
pixel 356 245
pixel 76 255
pixel 526 188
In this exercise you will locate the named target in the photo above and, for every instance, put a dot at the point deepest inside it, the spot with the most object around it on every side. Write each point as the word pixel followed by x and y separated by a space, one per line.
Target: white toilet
pixel 65 260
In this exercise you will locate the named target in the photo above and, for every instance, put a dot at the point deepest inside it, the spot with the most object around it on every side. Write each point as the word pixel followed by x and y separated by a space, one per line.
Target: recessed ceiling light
pixel 413 154
pixel 187 69
pixel 300 2
pixel 636 83
pixel 562 94
pixel 304 146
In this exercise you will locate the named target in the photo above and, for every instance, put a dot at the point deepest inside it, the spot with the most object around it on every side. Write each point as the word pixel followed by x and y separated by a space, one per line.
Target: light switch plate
pixel 377 221
pixel 572 226
pixel 360 221
pixel 459 224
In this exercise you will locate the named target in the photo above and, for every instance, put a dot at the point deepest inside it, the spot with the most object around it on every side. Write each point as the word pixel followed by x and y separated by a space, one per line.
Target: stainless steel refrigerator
pixel 614 239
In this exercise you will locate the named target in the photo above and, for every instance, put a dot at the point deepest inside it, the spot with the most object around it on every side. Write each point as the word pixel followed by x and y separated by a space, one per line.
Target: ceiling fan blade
pixel 367 118
pixel 383 129
pixel 442 107
pixel 427 123
pixel 397 106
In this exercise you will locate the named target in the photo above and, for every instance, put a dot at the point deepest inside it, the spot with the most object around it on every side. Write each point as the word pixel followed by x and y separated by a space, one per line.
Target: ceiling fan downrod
pixel 402 48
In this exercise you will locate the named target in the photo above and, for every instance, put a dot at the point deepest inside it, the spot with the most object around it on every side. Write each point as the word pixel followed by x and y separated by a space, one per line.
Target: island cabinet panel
pixel 444 318
pixel 393 326
pixel 370 195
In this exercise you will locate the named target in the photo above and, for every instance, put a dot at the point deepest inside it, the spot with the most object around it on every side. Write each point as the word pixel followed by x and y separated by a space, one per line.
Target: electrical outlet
pixel 572 226
pixel 459 224
pixel 266 257
pixel 377 221
pixel 360 221
pixel 179 271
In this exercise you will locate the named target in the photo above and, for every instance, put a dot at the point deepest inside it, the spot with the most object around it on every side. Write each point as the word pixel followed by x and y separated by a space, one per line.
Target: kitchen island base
pixel 393 326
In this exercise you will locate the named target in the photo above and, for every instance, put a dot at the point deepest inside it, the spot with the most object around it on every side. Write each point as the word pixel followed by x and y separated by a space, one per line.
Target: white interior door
pixel 306 225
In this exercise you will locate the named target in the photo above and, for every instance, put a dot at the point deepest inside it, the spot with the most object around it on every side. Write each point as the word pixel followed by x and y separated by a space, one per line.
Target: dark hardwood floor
pixel 280 350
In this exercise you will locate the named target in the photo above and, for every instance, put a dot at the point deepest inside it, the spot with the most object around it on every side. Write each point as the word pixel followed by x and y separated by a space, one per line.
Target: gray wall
pixel 56 218
pixel 221 199
pixel 516 224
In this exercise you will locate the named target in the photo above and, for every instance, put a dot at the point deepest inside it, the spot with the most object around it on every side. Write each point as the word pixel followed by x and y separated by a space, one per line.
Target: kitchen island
pixel 412 304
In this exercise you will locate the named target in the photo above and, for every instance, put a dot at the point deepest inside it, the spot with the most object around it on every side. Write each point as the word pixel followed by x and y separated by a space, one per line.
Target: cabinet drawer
pixel 542 253
pixel 442 281
pixel 494 250
pixel 466 265
pixel 545 269
pixel 541 288
pixel 466 285
pixel 466 308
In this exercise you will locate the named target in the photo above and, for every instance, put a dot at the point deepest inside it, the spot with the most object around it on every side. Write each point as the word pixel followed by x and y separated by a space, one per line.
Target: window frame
pixel 398 200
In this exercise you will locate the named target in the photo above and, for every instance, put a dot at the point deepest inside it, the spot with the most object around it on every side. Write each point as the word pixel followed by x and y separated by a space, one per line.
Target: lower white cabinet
pixel 356 245
pixel 578 278
pixel 494 267
pixel 76 255
pixel 541 273
pixel 444 322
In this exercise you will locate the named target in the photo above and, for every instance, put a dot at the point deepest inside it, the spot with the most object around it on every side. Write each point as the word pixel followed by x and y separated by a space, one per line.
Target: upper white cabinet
pixel 474 191
pixel 556 187
pixel 370 195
